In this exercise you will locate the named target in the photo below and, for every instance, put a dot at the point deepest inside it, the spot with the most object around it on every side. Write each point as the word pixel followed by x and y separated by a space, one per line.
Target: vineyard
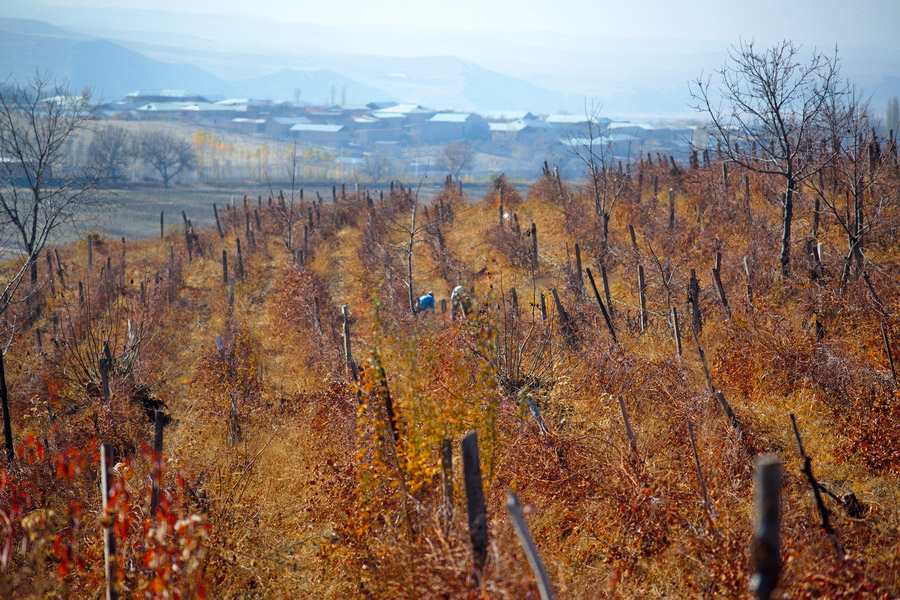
pixel 260 410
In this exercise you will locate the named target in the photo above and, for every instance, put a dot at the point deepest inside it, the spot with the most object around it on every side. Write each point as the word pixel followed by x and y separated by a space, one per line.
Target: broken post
pixel 475 508
pixel 534 247
pixel 671 208
pixel 104 377
pixel 766 550
pixel 721 290
pixel 534 559
pixel 579 278
pixel 162 232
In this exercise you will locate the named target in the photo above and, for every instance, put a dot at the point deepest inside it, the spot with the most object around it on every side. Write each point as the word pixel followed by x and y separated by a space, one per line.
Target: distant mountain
pixel 315 86
pixel 110 69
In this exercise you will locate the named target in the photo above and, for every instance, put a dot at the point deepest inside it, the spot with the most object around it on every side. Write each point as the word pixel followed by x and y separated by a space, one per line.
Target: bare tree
pixel 111 150
pixel 286 211
pixel 767 113
pixel 377 166
pixel 853 189
pixel 168 154
pixel 458 157
pixel 592 147
pixel 41 186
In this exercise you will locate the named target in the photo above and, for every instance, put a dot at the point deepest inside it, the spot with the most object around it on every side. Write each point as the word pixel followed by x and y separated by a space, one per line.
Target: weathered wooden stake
pixel 543 308
pixel 7 421
pixel 159 422
pixel 766 550
pixel 348 355
pixel 475 508
pixel 224 267
pixel 162 231
pixel 564 323
pixel 642 285
pixel 671 208
pixel 240 259
pixel 218 223
pixel 721 290
pixel 747 273
pixel 534 559
pixel 534 247
pixel 109 537
pixel 447 477
pixel 676 328
pixel 609 325
pixel 694 300
pixel 606 293
pixel 629 433
pixel 887 349
pixel 90 258
pixel 700 477
pixel 104 377
pixel 579 278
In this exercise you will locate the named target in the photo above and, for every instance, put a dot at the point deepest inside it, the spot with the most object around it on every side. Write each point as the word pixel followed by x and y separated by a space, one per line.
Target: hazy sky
pixel 821 22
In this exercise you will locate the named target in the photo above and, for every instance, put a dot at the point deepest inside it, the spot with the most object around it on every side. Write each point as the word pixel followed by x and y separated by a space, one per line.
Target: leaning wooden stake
pixel 159 422
pixel 820 504
pixel 609 325
pixel 767 534
pixel 475 508
pixel 887 348
pixel 534 559
pixel 700 477
pixel 104 377
pixel 677 330
pixel 721 290
pixel 218 223
pixel 7 422
pixel 642 285
pixel 629 433
pixel 109 537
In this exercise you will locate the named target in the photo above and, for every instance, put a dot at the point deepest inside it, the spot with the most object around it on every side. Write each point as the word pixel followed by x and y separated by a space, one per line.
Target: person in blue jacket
pixel 426 302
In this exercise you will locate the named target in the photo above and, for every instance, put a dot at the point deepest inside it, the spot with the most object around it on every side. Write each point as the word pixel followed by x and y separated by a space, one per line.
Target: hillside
pixel 300 463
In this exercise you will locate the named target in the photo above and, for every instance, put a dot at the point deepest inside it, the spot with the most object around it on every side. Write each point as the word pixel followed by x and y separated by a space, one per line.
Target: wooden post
pixel 162 231
pixel 218 223
pixel 348 355
pixel 240 260
pixel 447 477
pixel 887 349
pixel 629 433
pixel 563 318
pixel 606 293
pixel 224 267
pixel 90 258
pixel 318 315
pixel 671 208
pixel 721 290
pixel 187 243
pixel 726 408
pixel 110 567
pixel 543 308
pixel 766 549
pixel 677 330
pixel 50 274
pixel 747 273
pixel 578 274
pixel 534 247
pixel 534 559
pixel 747 198
pixel 642 285
pixel 694 300
pixel 159 422
pixel 475 508
pixel 7 422
pixel 609 325
pixel 700 477
pixel 143 294
pixel 443 305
